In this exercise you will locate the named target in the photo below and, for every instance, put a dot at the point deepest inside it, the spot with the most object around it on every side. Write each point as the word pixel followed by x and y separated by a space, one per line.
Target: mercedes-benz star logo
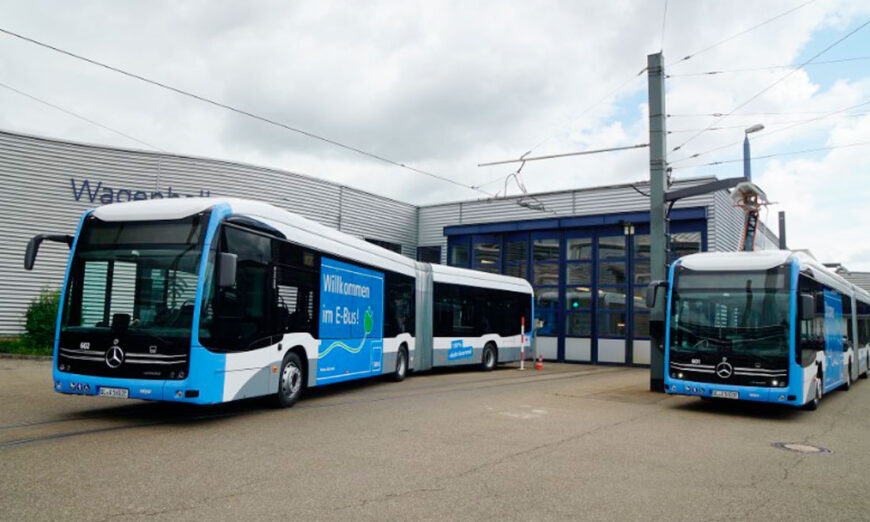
pixel 724 370
pixel 114 357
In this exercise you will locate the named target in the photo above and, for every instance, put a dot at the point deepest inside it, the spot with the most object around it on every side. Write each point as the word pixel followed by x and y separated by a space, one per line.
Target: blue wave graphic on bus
pixel 459 351
pixel 368 322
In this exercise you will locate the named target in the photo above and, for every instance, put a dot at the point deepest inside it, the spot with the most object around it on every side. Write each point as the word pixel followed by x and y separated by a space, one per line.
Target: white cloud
pixel 444 86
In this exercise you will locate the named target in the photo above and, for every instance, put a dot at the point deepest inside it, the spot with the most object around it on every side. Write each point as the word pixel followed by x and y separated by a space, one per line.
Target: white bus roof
pixel 295 227
pixel 306 232
pixel 464 276
pixel 766 259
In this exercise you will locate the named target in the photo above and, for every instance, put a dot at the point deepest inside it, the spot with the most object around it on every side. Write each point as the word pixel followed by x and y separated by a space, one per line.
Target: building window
pixel 459 252
pixel 545 279
pixel 685 243
pixel 487 254
pixel 395 247
pixel 516 256
pixel 429 254
pixel 612 286
pixel 579 284
pixel 640 280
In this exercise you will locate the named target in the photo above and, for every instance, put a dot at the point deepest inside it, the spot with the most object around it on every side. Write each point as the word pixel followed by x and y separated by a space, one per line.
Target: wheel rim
pixel 818 389
pixel 490 358
pixel 400 368
pixel 291 380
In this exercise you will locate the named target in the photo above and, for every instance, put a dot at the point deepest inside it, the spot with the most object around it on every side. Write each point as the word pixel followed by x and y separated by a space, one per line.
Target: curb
pixel 25 356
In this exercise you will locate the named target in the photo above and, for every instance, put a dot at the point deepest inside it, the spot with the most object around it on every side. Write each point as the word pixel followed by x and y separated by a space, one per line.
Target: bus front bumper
pixel 146 389
pixel 783 395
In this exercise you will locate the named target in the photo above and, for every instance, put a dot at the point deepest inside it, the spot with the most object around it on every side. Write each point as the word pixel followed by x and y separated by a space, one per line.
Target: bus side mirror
pixel 652 292
pixel 227 269
pixel 807 307
pixel 35 241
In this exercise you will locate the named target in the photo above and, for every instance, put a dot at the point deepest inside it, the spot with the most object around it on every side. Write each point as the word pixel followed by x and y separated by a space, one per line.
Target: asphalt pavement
pixel 571 442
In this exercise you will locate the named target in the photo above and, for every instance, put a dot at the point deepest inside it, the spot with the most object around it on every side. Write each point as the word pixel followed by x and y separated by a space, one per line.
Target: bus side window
pixel 847 322
pixel 399 300
pixel 295 295
pixel 810 332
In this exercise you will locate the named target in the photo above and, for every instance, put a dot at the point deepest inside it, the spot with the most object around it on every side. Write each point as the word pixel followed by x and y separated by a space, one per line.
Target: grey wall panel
pixel 37 195
pixel 431 223
pixel 369 216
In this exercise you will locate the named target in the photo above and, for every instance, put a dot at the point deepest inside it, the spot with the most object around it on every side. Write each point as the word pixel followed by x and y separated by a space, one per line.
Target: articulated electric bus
pixel 770 326
pixel 208 300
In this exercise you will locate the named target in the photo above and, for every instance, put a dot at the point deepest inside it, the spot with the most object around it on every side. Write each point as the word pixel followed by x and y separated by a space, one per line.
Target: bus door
pixel 833 339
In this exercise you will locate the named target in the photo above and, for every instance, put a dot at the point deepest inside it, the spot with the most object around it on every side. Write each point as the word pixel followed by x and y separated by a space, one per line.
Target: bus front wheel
pixel 817 395
pixel 489 359
pixel 291 378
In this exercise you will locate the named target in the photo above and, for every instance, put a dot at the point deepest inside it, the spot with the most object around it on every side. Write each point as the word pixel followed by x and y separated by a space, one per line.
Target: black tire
pixel 291 380
pixel 813 405
pixel 848 384
pixel 489 359
pixel 864 375
pixel 401 370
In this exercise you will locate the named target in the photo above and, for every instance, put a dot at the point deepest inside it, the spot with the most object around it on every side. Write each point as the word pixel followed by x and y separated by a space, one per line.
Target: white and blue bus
pixel 207 300
pixel 769 326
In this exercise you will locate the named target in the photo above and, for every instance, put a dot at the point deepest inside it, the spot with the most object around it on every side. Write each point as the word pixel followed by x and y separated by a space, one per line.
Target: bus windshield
pixel 134 277
pixel 731 313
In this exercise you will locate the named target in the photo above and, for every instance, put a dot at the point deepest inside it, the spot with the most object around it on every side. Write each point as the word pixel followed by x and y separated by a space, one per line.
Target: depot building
pixel 585 251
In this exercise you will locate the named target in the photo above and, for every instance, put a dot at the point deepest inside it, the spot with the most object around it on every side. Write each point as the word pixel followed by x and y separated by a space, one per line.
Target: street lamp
pixel 747 173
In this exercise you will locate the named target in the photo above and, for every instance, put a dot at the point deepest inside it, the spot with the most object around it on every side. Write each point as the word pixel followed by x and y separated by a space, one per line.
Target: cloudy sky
pixel 443 86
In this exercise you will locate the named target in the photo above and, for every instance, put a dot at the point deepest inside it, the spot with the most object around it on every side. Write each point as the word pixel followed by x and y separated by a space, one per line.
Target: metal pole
pixel 782 242
pixel 747 170
pixel 658 214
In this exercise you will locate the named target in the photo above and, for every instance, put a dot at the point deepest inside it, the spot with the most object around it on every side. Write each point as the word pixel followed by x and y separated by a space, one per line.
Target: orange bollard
pixel 539 364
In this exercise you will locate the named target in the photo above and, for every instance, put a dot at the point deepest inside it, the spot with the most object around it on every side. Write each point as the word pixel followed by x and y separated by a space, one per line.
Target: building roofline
pixel 164 154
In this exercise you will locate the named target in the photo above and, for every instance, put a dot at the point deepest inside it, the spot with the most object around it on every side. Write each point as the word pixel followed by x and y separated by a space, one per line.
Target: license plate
pixel 117 393
pixel 726 394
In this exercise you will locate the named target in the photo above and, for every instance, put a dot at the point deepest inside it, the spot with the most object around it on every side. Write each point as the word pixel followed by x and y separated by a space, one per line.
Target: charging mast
pixel 658 219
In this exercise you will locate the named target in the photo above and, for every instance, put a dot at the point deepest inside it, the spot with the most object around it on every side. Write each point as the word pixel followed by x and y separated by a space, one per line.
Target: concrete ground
pixel 570 442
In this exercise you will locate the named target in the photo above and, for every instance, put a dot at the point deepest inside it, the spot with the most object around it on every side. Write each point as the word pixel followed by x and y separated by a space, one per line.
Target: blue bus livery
pixel 207 300
pixel 769 326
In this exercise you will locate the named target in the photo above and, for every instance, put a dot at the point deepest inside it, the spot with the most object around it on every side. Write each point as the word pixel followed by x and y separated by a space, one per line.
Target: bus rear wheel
pixel 489 359
pixel 290 381
pixel 401 370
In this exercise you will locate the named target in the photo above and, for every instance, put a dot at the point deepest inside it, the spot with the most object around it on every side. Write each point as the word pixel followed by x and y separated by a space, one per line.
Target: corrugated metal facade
pixel 46 184
pixel 581 202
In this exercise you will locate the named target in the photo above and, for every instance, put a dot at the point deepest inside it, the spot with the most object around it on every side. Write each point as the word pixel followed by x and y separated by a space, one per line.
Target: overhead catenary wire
pixel 741 33
pixel 563 155
pixel 763 135
pixel 80 117
pixel 237 110
pixel 99 125
pixel 766 68
pixel 777 154
pixel 731 127
pixel 608 95
pixel 772 85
